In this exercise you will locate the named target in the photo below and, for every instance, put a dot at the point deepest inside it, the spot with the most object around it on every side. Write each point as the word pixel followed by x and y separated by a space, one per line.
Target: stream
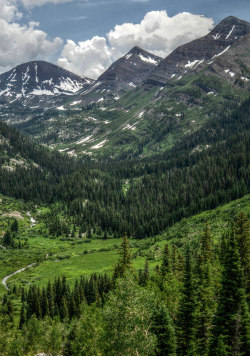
pixel 5 279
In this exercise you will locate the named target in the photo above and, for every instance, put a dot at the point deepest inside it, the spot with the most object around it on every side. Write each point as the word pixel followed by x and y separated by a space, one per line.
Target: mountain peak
pixel 38 79
pixel 204 51
pixel 230 28
pixel 131 69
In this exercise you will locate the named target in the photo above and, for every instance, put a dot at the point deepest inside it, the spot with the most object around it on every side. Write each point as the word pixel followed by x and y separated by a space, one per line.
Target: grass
pixel 78 256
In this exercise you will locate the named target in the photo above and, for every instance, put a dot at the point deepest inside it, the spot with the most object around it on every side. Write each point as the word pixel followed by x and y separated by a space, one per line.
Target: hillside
pixel 102 122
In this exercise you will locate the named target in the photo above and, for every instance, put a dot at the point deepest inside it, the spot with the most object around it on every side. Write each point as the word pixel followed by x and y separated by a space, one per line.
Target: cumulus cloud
pixel 19 44
pixel 89 58
pixel 157 32
pixel 9 10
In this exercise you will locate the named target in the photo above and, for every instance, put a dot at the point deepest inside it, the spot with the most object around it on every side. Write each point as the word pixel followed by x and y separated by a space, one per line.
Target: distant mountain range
pixel 140 105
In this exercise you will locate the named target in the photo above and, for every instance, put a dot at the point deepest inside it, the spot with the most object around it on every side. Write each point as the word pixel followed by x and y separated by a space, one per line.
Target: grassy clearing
pixel 78 256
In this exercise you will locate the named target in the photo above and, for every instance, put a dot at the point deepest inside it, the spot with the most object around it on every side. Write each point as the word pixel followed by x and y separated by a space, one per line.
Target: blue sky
pixel 80 21
pixel 86 36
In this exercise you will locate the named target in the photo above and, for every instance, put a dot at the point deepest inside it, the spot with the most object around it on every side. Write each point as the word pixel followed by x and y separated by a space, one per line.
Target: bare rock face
pixel 204 51
pixel 130 70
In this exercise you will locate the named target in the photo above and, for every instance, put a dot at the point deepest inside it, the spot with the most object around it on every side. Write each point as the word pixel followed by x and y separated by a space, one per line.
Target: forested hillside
pixel 194 302
pixel 141 197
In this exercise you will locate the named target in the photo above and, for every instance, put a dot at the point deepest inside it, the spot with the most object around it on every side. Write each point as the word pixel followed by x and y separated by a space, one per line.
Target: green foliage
pixel 127 318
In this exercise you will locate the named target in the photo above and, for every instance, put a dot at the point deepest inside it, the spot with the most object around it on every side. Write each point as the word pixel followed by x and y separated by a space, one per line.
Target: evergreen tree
pixel 124 262
pixel 243 235
pixel 205 296
pixel 23 317
pixel 231 321
pixel 162 327
pixel 186 312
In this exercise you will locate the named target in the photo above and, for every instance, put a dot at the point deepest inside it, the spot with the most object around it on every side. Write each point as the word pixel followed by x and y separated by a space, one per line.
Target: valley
pixel 125 203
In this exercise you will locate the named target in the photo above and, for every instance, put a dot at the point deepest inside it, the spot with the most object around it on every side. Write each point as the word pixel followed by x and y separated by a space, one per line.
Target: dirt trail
pixel 5 279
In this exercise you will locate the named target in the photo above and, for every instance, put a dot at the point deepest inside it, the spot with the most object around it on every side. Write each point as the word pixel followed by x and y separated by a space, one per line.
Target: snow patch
pixel 99 145
pixel 40 91
pixel 72 153
pixel 219 54
pixel 69 85
pixel 63 150
pixel 36 72
pixel 130 127
pixel 172 76
pixel 148 59
pixel 141 115
pixel 85 139
pixel 132 85
pixel 75 103
pixel 128 55
pixel 230 32
pixel 194 64
pixel 217 36
pixel 244 78
pixel 60 108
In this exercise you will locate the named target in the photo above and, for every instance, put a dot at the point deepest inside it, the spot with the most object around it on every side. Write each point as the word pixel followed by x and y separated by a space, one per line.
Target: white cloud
pixel 19 44
pixel 34 3
pixel 89 58
pixel 8 10
pixel 157 32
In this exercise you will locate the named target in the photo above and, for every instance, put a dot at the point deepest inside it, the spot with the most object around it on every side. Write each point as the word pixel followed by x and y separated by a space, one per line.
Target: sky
pixel 86 36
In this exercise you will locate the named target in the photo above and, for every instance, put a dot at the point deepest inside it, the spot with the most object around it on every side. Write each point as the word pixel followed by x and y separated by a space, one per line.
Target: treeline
pixel 58 300
pixel 196 302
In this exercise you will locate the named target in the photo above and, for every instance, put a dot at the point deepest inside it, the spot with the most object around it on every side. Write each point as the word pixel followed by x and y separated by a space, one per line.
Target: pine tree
pixel 64 312
pixel 10 310
pixel 8 239
pixel 166 265
pixel 204 293
pixel 124 262
pixel 231 321
pixel 162 327
pixel 243 236
pixel 23 317
pixel 14 226
pixel 186 312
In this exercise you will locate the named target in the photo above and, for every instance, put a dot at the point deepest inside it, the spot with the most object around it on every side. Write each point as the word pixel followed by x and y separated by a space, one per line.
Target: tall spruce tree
pixel 163 329
pixel 230 331
pixel 205 298
pixel 186 312
pixel 124 262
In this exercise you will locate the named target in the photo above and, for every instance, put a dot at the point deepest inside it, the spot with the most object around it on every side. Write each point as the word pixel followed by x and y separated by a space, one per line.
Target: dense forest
pixel 194 303
pixel 139 197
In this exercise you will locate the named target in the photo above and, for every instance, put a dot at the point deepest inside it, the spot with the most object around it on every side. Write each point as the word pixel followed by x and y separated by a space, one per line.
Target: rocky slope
pixel 195 55
pixel 34 81
pixel 130 70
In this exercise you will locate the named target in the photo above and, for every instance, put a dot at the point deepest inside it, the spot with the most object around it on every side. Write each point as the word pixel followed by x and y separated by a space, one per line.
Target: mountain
pixel 130 70
pixel 123 75
pixel 38 79
pixel 111 119
pixel 196 55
